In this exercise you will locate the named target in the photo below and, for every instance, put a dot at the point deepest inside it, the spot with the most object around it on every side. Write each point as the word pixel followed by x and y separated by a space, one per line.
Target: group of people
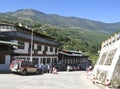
pixel 73 68
pixel 47 68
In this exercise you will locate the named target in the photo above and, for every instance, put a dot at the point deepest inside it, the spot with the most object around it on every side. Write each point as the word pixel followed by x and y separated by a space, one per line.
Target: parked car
pixel 23 67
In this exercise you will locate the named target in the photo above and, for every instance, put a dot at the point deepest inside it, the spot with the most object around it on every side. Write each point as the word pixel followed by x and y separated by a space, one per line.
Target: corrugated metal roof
pixel 8 43
pixel 79 55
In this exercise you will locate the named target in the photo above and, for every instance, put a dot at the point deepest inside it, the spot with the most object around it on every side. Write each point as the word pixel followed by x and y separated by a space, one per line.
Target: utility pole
pixel 31 45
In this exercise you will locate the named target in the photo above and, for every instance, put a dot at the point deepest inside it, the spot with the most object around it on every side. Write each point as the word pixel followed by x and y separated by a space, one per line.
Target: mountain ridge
pixel 64 22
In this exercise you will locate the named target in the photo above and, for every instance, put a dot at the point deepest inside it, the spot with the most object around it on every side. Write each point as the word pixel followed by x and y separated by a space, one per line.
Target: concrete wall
pixel 7 63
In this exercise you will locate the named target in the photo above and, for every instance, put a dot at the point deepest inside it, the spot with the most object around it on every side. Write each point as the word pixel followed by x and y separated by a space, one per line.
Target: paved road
pixel 62 80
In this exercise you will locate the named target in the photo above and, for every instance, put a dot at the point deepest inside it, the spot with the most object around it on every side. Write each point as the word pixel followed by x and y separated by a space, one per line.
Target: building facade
pixel 74 58
pixel 43 49
pixel 108 65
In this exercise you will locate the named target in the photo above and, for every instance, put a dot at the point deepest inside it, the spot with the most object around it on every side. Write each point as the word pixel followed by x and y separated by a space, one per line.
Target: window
pixel 56 50
pixel 44 52
pixel 46 48
pixel 36 51
pixel 51 49
pixel 35 60
pixel 55 60
pixel 110 57
pixel 30 46
pixel 21 45
pixel 44 60
pixel 39 48
pixel 2 59
pixel 7 28
pixel 48 60
pixel 103 58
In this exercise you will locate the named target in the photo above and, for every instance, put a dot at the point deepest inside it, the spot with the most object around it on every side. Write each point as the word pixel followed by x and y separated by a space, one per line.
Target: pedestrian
pixel 107 84
pixel 48 68
pixel 54 70
pixel 51 70
pixel 68 68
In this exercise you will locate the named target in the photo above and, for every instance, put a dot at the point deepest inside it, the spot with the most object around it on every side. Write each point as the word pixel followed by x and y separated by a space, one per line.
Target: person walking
pixel 54 70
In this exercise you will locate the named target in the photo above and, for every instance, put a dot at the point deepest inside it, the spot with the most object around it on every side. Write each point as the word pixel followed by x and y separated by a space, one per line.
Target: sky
pixel 107 11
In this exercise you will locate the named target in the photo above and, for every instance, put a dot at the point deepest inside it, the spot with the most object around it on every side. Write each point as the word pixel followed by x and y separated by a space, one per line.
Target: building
pixel 108 65
pixel 74 58
pixel 18 42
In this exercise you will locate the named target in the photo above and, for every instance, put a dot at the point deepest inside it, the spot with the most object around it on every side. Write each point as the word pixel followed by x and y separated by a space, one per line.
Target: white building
pixel 108 65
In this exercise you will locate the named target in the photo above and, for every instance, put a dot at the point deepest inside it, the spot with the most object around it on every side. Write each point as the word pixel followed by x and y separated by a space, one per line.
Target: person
pixel 74 67
pixel 68 68
pixel 48 68
pixel 41 66
pixel 78 67
pixel 107 83
pixel 36 65
pixel 89 69
pixel 51 69
pixel 54 70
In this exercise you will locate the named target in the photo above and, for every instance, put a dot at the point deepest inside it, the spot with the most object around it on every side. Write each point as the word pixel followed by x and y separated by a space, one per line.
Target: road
pixel 62 80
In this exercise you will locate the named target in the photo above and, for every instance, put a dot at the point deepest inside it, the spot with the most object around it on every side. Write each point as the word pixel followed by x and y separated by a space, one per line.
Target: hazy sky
pixel 99 10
